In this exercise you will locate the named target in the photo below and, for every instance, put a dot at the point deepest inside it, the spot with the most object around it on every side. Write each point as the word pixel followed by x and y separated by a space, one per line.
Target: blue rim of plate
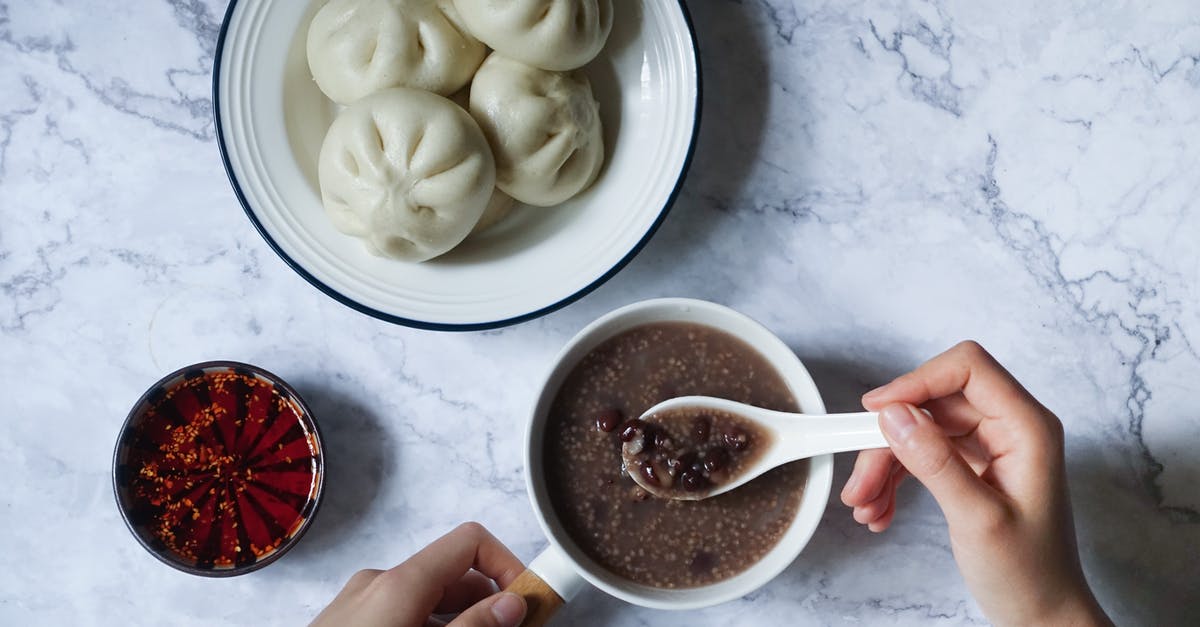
pixel 442 326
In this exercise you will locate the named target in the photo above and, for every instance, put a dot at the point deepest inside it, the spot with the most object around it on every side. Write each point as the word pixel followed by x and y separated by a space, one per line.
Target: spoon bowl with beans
pixel 695 447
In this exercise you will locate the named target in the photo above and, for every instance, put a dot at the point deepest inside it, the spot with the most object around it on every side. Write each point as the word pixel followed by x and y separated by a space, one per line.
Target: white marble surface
pixel 875 181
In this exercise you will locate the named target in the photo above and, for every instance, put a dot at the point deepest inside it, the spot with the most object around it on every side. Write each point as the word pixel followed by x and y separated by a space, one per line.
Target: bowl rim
pixel 818 484
pixel 443 326
pixel 306 416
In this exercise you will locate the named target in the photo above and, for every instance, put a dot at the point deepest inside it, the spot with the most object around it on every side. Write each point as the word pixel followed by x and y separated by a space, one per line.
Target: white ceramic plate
pixel 271 120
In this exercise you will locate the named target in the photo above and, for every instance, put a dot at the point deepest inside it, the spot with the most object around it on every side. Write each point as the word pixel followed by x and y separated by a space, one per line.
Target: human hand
pixel 992 456
pixel 457 573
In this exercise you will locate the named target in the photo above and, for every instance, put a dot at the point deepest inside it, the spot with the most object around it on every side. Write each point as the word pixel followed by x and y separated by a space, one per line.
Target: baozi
pixel 357 47
pixel 549 34
pixel 407 171
pixel 543 127
pixel 498 208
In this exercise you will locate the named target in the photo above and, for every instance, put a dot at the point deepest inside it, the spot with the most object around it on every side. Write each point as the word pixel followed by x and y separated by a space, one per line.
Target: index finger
pixel 469 545
pixel 966 368
pixel 421 581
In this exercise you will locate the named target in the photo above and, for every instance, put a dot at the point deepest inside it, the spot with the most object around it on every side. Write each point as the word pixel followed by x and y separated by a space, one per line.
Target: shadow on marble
pixel 593 607
pixel 1140 557
pixel 842 383
pixel 356 454
pixel 736 96
pixel 736 75
pixel 839 543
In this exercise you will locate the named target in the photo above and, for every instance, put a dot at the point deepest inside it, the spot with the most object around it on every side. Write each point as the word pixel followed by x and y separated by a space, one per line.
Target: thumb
pixel 503 609
pixel 926 452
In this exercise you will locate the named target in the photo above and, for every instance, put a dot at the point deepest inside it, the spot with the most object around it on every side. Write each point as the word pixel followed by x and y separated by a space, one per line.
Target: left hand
pixel 459 572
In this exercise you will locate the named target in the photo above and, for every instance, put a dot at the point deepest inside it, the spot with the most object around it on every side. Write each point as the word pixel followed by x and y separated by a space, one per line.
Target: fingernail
pixel 849 487
pixel 897 421
pixel 508 609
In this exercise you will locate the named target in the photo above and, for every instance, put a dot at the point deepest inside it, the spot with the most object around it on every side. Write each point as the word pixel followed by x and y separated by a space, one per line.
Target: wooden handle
pixel 540 598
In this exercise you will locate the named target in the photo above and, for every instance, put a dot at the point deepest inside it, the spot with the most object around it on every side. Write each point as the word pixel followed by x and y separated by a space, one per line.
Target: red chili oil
pixel 222 468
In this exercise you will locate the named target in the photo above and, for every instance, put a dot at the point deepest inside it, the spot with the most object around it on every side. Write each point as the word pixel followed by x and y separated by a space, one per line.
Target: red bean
pixel 682 462
pixel 736 439
pixel 693 481
pixel 630 429
pixel 651 475
pixel 608 420
pixel 703 562
pixel 716 459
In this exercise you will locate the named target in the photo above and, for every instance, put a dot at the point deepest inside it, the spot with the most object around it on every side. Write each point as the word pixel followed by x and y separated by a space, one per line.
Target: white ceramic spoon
pixel 788 437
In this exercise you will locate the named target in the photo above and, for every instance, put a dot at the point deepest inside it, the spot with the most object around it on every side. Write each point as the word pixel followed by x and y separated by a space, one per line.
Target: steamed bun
pixel 357 47
pixel 543 127
pixel 550 34
pixel 498 208
pixel 407 171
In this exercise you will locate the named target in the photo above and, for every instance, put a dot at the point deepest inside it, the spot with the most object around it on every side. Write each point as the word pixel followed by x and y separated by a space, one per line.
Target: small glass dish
pixel 219 469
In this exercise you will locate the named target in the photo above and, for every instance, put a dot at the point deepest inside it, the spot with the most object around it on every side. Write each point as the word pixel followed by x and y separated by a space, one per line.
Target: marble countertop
pixel 874 181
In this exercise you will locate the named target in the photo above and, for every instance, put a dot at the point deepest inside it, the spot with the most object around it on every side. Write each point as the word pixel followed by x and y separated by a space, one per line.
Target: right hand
pixel 992 456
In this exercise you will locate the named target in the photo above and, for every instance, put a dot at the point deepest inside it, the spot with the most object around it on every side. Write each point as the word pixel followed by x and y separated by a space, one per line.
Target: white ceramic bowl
pixel 563 564
pixel 271 120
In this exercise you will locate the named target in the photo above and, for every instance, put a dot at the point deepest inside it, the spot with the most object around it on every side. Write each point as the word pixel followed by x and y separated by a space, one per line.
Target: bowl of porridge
pixel 606 531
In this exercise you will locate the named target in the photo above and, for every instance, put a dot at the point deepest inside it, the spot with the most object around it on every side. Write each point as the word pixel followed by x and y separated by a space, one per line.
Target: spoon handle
pixel 836 433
